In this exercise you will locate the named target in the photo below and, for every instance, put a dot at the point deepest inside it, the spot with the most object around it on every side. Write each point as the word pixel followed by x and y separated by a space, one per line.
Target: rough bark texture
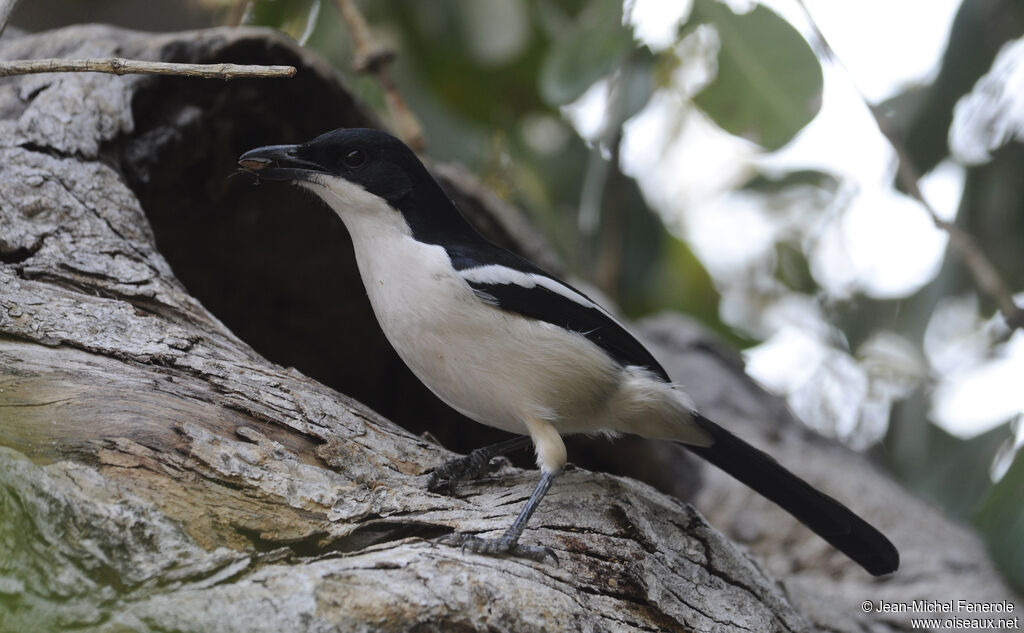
pixel 157 473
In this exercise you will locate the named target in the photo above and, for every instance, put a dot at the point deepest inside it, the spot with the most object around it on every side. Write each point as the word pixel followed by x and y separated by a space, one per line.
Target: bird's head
pixel 371 160
pixel 362 174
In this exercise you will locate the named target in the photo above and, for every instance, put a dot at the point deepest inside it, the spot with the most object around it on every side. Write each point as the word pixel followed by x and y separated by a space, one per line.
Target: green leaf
pixel 951 471
pixel 769 81
pixel 777 183
pixel 594 44
pixel 793 269
pixel 1001 519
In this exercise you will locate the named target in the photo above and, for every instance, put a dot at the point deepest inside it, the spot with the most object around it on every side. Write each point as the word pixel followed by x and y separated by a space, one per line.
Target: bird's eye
pixel 355 158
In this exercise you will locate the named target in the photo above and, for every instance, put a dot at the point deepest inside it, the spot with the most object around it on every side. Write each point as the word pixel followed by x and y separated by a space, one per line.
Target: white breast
pixel 494 367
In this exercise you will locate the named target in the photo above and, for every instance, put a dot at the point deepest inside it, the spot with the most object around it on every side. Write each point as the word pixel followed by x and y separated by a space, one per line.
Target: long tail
pixel 828 518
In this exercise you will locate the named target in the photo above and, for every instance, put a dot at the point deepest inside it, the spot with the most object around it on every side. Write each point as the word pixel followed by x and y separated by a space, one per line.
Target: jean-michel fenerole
pixel 944 606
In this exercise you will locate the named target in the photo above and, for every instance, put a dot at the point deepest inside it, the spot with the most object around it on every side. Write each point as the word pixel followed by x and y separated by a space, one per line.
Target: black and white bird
pixel 508 345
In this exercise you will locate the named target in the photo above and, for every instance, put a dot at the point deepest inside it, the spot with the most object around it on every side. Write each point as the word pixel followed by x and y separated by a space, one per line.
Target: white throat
pixel 366 216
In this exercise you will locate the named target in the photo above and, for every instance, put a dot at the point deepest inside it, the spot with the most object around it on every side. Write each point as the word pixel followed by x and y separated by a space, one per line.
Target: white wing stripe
pixel 498 274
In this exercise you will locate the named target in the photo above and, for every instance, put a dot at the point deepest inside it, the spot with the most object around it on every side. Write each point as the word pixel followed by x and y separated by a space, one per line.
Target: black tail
pixel 828 518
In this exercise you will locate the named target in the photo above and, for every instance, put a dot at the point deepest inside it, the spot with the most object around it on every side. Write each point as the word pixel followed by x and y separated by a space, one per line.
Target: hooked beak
pixel 278 162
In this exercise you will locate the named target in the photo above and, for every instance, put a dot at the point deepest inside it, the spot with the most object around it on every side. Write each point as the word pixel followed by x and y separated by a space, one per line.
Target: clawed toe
pixel 440 483
pixel 499 547
pixel 472 466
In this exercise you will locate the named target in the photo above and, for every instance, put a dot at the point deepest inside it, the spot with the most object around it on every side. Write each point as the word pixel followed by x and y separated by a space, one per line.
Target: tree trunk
pixel 157 473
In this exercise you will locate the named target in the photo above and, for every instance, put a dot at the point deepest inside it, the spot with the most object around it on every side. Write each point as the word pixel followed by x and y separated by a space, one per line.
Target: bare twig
pixel 986 277
pixel 6 9
pixel 119 66
pixel 369 54
pixel 373 58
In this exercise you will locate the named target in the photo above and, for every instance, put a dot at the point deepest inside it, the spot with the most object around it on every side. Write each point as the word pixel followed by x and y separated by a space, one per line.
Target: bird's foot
pixel 470 467
pixel 499 547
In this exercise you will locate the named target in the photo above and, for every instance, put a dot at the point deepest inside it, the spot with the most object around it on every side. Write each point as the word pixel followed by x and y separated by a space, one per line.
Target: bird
pixel 511 346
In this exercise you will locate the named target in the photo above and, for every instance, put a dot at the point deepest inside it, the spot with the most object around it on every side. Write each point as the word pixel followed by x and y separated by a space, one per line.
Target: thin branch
pixel 373 58
pixel 119 66
pixel 986 277
pixel 238 12
pixel 369 54
pixel 6 9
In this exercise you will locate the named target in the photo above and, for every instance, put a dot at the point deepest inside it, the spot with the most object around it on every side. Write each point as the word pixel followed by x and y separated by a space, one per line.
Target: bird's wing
pixel 514 284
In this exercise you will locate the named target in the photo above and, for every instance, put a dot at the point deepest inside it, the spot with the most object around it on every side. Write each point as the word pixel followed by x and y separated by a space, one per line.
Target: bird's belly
pixel 493 366
pixel 513 381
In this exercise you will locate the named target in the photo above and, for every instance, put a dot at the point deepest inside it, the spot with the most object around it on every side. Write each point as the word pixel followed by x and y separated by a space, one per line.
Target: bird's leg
pixel 508 543
pixel 473 465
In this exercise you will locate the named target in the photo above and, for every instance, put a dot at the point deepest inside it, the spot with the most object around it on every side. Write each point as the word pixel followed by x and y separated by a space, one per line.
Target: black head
pixel 375 160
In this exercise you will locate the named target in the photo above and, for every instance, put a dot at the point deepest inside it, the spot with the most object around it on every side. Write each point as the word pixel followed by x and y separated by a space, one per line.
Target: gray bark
pixel 158 474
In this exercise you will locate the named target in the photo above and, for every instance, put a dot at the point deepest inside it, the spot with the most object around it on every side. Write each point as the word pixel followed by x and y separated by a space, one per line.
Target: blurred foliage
pixel 769 183
pixel 952 471
pixel 588 48
pixel 491 79
pixel 1001 521
pixel 992 207
pixel 768 83
pixel 954 482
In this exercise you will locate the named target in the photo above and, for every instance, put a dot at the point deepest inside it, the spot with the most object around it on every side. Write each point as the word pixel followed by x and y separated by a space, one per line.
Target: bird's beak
pixel 278 162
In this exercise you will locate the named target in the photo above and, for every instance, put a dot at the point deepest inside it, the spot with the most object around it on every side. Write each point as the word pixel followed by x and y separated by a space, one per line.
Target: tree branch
pixel 118 66
pixel 375 59
pixel 986 277
pixel 6 9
